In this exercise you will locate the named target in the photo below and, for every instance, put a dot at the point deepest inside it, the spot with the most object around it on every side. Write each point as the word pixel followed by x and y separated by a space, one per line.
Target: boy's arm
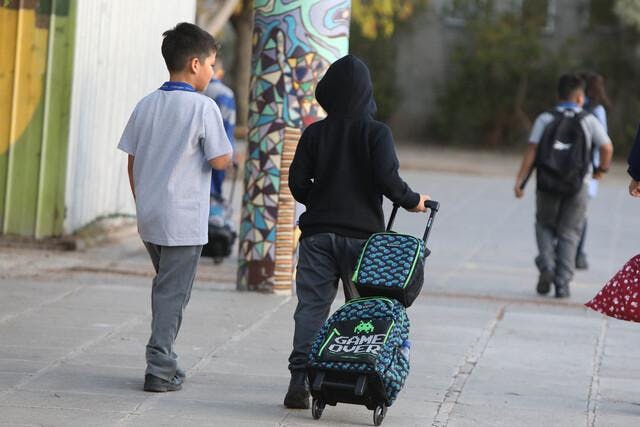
pixel 301 171
pixel 529 158
pixel 130 172
pixel 601 140
pixel 220 162
pixel 217 148
pixel 606 153
pixel 525 168
pixel 385 170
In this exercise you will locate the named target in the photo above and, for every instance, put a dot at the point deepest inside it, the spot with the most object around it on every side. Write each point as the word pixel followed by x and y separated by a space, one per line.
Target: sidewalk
pixel 487 351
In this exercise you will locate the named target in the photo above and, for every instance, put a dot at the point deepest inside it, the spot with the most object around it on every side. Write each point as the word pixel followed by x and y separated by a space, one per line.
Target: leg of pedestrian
pixel 581 256
pixel 170 294
pixel 570 224
pixel 316 287
pixel 547 207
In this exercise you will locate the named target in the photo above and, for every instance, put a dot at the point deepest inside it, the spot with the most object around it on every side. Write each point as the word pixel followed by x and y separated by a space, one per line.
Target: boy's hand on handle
pixel 634 188
pixel 421 205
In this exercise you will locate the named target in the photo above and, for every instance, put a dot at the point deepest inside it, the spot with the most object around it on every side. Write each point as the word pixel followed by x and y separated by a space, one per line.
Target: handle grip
pixel 432 205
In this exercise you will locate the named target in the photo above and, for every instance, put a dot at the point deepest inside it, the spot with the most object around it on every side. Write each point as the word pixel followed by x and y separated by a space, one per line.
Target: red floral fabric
pixel 620 297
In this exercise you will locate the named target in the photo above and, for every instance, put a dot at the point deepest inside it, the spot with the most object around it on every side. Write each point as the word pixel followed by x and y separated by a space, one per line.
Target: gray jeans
pixel 559 223
pixel 324 259
pixel 175 268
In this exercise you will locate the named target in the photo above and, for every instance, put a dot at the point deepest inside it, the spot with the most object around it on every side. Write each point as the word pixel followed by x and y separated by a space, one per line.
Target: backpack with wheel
pixel 221 228
pixel 361 353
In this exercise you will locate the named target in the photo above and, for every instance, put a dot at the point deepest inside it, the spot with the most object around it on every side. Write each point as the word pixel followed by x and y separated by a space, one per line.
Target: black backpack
pixel 563 158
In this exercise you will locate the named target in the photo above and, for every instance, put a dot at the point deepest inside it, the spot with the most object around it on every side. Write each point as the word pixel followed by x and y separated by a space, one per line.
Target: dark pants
pixel 175 268
pixel 583 236
pixel 559 223
pixel 324 259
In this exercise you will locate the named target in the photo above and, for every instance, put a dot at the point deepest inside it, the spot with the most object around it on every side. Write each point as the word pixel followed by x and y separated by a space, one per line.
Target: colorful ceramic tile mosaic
pixel 294 44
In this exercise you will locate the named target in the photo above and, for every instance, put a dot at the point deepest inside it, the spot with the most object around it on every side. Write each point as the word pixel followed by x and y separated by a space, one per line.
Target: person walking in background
pixel 343 166
pixel 620 296
pixel 559 147
pixel 596 102
pixel 174 138
pixel 226 101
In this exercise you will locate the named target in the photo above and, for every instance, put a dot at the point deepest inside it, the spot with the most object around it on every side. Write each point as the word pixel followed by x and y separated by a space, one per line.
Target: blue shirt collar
pixel 170 86
pixel 567 105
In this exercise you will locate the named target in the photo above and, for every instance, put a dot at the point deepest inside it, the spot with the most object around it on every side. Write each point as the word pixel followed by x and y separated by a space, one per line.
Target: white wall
pixel 117 61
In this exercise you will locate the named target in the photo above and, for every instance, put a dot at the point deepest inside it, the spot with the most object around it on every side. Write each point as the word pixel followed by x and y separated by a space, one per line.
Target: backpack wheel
pixel 379 413
pixel 317 406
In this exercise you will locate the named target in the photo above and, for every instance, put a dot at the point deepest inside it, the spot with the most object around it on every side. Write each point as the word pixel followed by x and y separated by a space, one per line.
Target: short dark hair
pixel 184 42
pixel 569 83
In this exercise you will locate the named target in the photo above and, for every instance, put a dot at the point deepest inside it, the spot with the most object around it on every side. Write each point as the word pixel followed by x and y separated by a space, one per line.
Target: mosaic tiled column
pixel 294 44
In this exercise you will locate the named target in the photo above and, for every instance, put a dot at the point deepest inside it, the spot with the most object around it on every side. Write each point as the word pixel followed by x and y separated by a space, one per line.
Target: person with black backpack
pixel 560 148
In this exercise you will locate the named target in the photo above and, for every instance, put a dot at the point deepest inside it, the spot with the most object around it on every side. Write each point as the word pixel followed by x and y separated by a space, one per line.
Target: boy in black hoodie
pixel 343 166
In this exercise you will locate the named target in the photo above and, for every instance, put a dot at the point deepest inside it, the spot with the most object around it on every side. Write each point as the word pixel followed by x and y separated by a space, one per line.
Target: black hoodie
pixel 346 162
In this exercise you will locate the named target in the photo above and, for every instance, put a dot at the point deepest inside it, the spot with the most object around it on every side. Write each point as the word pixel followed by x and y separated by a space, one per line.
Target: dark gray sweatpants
pixel 175 268
pixel 559 223
pixel 323 259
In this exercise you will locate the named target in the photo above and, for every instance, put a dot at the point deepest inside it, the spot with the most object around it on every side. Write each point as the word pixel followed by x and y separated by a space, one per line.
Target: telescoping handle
pixel 433 207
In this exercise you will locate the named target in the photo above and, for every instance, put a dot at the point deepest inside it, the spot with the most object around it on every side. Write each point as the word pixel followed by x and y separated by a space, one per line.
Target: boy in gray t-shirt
pixel 560 215
pixel 174 137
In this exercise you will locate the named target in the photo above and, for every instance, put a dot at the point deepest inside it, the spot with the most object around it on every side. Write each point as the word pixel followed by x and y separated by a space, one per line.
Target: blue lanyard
pixel 567 105
pixel 169 86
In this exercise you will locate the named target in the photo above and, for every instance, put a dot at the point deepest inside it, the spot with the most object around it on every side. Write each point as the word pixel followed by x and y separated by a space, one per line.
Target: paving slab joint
pixel 465 369
pixel 594 387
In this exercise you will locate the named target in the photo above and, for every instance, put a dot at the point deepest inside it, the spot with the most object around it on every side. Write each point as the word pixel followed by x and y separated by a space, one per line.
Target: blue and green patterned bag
pixel 365 336
pixel 391 265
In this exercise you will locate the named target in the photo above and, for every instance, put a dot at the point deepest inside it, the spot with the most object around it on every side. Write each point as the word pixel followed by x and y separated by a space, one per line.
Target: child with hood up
pixel 343 166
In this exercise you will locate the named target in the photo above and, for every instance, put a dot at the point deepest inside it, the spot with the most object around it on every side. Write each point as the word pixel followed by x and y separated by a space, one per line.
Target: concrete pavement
pixel 487 351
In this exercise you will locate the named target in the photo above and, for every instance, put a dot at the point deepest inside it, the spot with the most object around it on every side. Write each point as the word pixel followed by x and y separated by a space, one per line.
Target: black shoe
pixel 158 385
pixel 298 394
pixel 562 290
pixel 544 282
pixel 581 261
pixel 180 375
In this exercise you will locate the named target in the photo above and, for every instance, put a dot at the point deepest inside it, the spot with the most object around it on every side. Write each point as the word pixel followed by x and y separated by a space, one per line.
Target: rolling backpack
pixel 356 356
pixel 221 229
pixel 361 353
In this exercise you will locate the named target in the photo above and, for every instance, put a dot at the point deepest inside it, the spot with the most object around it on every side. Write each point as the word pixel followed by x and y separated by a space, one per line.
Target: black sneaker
pixel 562 290
pixel 180 375
pixel 298 394
pixel 159 385
pixel 544 282
pixel 581 261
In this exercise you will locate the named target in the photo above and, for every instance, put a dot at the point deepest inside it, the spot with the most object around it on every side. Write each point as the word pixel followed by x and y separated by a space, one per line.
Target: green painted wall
pixel 35 70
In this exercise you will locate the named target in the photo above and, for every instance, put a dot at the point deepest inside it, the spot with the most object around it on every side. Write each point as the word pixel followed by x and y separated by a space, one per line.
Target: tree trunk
pixel 215 21
pixel 243 24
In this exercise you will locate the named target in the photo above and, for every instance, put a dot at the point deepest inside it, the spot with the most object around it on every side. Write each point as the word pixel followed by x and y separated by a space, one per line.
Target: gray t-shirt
pixel 172 135
pixel 595 133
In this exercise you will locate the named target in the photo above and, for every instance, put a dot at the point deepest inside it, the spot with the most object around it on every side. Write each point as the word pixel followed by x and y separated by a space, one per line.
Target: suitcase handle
pixel 433 207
